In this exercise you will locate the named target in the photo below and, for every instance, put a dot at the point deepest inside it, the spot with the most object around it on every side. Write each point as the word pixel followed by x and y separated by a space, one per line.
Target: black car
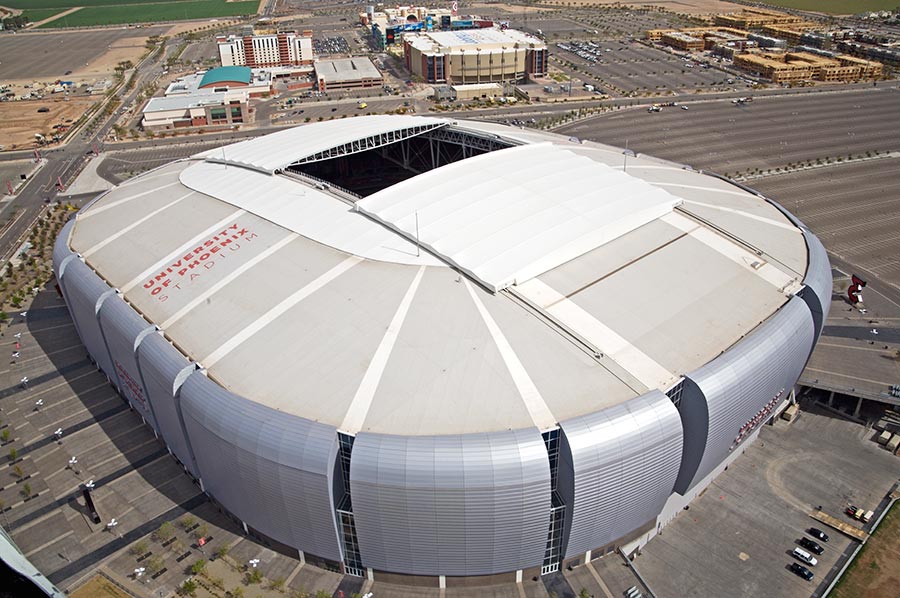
pixel 802 571
pixel 811 546
pixel 818 534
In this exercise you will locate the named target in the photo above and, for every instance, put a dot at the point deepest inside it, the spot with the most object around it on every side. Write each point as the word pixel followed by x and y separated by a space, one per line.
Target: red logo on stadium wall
pixel 855 291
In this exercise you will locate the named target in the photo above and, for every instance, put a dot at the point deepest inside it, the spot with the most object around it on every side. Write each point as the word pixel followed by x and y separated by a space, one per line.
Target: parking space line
pixel 48 544
pixel 60 421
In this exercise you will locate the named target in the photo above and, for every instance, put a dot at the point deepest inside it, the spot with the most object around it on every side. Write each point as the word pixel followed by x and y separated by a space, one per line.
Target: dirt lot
pixel 21 120
pixel 98 587
pixel 694 7
pixel 876 571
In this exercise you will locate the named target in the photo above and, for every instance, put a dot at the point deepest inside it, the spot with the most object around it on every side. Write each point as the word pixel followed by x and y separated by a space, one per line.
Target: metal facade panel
pixel 271 469
pixel 818 281
pixel 82 289
pixel 161 366
pixel 740 382
pixel 472 504
pixel 624 462
pixel 121 326
pixel 61 247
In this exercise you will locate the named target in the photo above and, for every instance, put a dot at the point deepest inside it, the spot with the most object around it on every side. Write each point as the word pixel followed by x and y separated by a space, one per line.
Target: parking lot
pixel 331 46
pixel 853 208
pixel 29 56
pixel 736 537
pixel 633 68
pixel 769 133
pixel 607 22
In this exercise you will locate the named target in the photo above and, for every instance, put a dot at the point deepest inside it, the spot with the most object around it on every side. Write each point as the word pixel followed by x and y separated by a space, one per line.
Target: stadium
pixel 411 346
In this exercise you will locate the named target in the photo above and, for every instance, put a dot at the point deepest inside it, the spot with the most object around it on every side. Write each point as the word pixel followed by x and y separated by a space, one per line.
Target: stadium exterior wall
pixel 818 281
pixel 620 467
pixel 473 504
pixel 271 469
pixel 448 505
pixel 719 398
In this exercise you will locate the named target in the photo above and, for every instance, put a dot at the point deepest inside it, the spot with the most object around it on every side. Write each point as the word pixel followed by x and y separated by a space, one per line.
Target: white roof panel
pixel 303 209
pixel 526 210
pixel 279 150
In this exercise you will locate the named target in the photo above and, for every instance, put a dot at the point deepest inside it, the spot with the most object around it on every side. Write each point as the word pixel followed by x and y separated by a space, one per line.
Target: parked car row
pixel 806 557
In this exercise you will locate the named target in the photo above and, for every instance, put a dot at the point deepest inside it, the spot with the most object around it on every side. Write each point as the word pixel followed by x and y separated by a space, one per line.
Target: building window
pixel 217 114
pixel 553 551
pixel 352 560
pixel 674 393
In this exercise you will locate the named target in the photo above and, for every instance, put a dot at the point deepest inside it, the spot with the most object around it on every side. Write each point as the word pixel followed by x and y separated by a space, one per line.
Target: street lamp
pixel 254 563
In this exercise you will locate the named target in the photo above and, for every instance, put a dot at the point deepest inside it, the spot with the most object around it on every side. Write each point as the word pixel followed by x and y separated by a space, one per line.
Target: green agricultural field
pixel 24 4
pixel 149 13
pixel 39 14
pixel 837 7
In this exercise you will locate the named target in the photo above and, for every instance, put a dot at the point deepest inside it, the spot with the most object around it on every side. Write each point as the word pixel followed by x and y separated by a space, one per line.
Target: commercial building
pixel 255 83
pixel 756 18
pixel 286 48
pixel 211 109
pixel 445 380
pixel 793 67
pixel 475 56
pixel 347 73
pixel 696 38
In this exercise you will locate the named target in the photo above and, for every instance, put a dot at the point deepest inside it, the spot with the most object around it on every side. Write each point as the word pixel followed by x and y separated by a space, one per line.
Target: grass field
pixel 837 7
pixel 39 14
pixel 875 573
pixel 148 13
pixel 23 4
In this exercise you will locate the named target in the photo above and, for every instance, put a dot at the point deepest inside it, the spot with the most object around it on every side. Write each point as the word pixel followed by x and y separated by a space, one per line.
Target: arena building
pixel 475 56
pixel 429 347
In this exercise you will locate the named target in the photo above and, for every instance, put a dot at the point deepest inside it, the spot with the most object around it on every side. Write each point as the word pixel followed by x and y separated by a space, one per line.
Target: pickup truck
pixel 859 514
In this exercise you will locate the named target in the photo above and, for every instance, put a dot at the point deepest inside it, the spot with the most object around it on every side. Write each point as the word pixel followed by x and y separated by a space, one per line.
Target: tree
pixel 254 576
pixel 155 565
pixel 26 490
pixel 221 551
pixel 187 521
pixel 277 584
pixel 5 435
pixel 201 532
pixel 17 470
pixel 237 592
pixel 188 588
pixel 164 532
pixel 13 454
pixel 199 567
pixel 138 548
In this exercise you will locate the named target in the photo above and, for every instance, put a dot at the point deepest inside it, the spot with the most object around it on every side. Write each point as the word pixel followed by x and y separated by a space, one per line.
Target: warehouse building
pixel 399 344
pixel 475 56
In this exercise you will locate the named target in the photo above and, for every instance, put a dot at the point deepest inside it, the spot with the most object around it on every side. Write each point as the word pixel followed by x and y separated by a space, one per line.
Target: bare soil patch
pixel 694 7
pixel 98 587
pixel 21 120
pixel 876 571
